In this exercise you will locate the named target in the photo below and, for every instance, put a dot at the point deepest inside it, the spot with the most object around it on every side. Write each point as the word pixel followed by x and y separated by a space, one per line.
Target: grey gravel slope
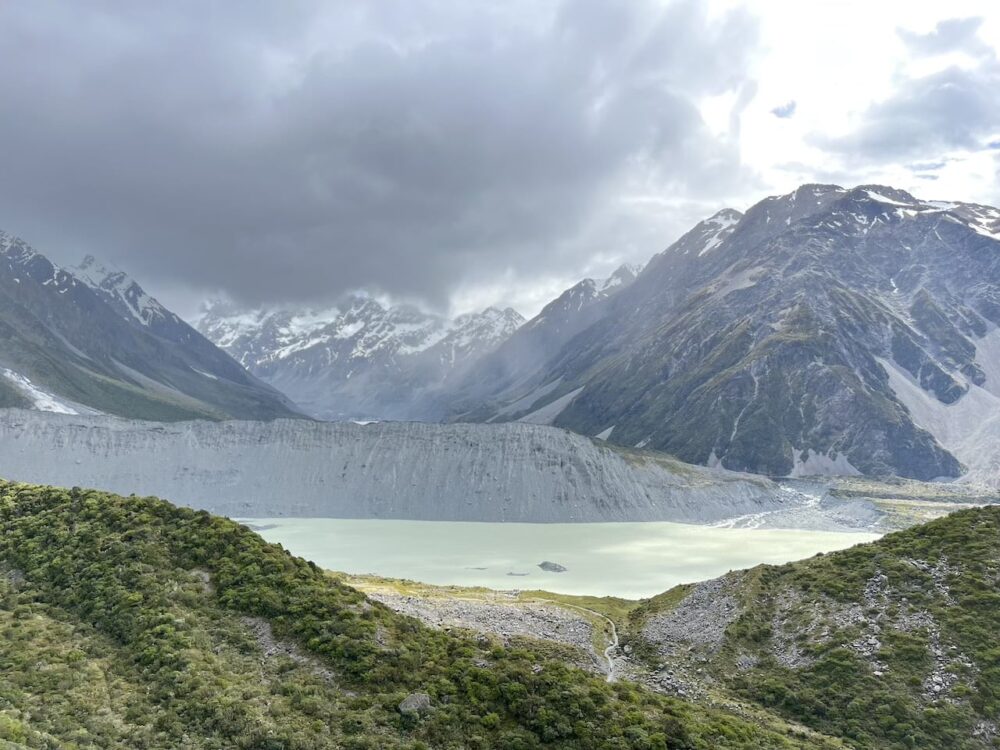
pixel 506 472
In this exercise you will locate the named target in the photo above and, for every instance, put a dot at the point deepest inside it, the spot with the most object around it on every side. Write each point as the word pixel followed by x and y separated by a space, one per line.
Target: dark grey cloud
pixel 784 111
pixel 296 150
pixel 926 116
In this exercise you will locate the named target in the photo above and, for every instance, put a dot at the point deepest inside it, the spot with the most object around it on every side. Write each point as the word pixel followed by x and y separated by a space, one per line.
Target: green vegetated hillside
pixel 894 644
pixel 130 623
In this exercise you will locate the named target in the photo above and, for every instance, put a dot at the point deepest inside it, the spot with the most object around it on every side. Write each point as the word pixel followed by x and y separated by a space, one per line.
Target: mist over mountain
pixel 361 359
pixel 825 331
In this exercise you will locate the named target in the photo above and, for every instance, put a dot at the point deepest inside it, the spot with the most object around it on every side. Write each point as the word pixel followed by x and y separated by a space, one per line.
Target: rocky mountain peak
pixel 508 318
pixel 86 339
pixel 15 248
pixel 624 275
pixel 360 358
pixel 121 291
pixel 761 341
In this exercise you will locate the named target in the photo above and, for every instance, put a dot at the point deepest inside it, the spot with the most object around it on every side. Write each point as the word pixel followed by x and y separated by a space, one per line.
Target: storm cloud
pixel 298 150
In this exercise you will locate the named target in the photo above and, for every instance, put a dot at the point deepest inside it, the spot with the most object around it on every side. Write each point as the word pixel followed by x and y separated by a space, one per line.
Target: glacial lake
pixel 630 560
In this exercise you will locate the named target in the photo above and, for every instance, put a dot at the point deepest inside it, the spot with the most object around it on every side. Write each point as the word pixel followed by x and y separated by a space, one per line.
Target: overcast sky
pixel 459 153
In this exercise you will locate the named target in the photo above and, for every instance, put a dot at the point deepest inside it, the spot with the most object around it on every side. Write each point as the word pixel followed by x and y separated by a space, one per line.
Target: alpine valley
pixel 436 375
pixel 826 331
pixel 820 371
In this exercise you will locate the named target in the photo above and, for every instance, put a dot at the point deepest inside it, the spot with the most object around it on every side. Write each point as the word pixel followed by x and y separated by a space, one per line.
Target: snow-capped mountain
pixel 121 291
pixel 828 330
pixel 97 343
pixel 359 359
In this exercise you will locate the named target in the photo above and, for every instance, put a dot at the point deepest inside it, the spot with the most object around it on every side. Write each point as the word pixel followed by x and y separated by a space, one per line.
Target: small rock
pixel 551 567
pixel 416 703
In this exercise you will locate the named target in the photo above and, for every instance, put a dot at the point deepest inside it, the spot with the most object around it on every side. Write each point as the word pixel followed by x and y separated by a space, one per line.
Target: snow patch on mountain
pixel 875 196
pixel 623 276
pixel 719 227
pixel 548 413
pixel 121 290
pixel 40 399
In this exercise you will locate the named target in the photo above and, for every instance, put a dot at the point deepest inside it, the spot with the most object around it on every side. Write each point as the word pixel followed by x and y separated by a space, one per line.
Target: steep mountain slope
pixel 520 361
pixel 383 470
pixel 889 645
pixel 98 343
pixel 127 623
pixel 824 331
pixel 359 360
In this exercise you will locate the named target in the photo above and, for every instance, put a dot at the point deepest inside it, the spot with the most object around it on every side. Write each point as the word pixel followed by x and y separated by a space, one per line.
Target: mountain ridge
pixel 104 345
pixel 758 349
pixel 360 359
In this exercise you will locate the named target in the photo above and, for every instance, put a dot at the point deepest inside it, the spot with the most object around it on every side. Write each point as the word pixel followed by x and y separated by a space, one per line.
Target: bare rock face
pixel 416 704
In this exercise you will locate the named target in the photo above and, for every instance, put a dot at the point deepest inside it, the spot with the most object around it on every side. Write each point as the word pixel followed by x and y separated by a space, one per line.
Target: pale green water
pixel 630 560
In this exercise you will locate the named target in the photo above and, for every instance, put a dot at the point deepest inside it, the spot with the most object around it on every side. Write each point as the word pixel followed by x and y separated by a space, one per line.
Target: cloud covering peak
pixel 407 147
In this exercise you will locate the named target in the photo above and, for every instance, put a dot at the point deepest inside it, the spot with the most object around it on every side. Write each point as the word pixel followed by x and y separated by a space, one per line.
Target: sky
pixel 456 153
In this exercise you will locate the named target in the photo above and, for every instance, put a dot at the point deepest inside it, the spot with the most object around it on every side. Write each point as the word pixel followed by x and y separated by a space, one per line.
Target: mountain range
pixel 825 331
pixel 828 330
pixel 89 339
pixel 360 359
pixel 364 359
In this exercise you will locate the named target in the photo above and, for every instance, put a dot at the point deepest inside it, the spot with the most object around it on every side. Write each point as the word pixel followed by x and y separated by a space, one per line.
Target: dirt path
pixel 612 646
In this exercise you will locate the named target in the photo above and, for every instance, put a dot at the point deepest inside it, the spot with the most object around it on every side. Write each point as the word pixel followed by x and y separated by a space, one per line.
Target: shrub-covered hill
pixel 894 644
pixel 130 623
